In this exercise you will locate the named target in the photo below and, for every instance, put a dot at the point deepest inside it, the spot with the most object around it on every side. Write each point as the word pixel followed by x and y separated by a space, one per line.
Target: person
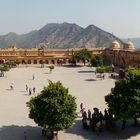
pixel 95 72
pixel 98 127
pixel 30 91
pixel 89 114
pixel 103 76
pixel 11 86
pixel 81 106
pixel 26 88
pixel 33 76
pixel 84 114
pixel 88 123
pixel 25 135
pixel 112 68
pixel 33 89
pixel 84 121
pixel 101 117
pixel 55 135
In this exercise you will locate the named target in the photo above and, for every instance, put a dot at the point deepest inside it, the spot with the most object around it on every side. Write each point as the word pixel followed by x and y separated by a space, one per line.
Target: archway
pixel 40 61
pixel 35 61
pixel 29 62
pixel 23 62
pixel 47 62
pixel 52 61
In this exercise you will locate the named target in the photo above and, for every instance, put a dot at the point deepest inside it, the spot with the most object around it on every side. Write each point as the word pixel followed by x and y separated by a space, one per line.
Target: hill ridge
pixel 63 35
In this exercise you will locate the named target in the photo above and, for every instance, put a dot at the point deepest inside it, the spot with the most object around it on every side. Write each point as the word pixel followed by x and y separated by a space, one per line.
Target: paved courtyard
pixel 82 83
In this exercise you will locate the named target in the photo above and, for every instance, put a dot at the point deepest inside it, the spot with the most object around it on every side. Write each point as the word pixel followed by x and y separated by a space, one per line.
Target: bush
pixel 51 67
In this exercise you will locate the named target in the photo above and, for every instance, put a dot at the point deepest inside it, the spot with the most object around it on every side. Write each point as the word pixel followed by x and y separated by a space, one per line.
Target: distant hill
pixel 63 35
pixel 136 42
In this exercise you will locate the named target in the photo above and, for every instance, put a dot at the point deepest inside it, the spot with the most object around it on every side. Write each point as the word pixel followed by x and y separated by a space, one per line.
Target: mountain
pixel 136 42
pixel 63 35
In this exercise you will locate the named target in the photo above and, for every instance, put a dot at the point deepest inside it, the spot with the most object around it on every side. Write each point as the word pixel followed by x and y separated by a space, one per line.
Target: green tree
pixel 53 109
pixel 83 55
pixel 96 61
pixel 4 69
pixel 51 68
pixel 101 69
pixel 17 62
pixel 124 99
pixel 108 69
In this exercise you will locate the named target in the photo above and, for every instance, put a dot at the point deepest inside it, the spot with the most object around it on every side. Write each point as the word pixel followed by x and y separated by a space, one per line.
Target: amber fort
pixel 124 56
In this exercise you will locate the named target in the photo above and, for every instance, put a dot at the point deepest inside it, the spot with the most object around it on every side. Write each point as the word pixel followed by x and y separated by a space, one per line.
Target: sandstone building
pixel 39 55
pixel 124 56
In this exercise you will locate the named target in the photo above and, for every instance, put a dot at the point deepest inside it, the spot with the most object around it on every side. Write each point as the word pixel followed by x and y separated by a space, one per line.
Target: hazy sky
pixel 120 17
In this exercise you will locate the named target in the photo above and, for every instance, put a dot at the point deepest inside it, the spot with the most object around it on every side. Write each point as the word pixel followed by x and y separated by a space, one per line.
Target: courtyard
pixel 82 83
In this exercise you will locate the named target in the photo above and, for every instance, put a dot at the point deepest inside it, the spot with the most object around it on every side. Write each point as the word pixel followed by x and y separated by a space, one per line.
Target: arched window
pixel 52 61
pixel 23 62
pixel 47 62
pixel 29 61
pixel 35 61
pixel 40 61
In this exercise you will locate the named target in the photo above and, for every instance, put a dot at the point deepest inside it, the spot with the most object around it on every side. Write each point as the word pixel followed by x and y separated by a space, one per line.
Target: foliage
pixel 51 67
pixel 17 62
pixel 4 68
pixel 124 99
pixel 54 108
pixel 100 69
pixel 96 61
pixel 103 69
pixel 83 55
pixel 108 69
pixel 11 63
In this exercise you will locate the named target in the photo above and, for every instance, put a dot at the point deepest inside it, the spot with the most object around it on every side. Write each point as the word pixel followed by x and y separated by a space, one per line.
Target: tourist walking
pixel 11 87
pixel 34 90
pixel 26 88
pixel 30 91
pixel 33 76
pixel 81 106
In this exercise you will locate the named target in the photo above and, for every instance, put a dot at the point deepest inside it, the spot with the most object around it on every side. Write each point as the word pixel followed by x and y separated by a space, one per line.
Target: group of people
pixel 30 90
pixel 96 120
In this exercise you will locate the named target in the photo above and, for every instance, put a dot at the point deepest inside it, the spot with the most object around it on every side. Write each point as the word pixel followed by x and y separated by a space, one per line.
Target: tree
pixel 53 109
pixel 51 68
pixel 83 55
pixel 96 61
pixel 17 62
pixel 124 99
pixel 108 69
pixel 100 70
pixel 3 69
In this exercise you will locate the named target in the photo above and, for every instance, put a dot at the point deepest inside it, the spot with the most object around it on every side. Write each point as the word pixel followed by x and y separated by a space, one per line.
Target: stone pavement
pixel 81 82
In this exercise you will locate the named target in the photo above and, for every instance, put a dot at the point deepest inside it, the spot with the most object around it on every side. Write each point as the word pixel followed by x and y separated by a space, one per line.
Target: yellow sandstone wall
pixel 124 57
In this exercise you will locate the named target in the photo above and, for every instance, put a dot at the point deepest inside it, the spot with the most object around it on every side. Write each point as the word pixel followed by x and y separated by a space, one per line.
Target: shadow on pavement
pixel 14 132
pixel 86 71
pixel 90 80
pixel 115 134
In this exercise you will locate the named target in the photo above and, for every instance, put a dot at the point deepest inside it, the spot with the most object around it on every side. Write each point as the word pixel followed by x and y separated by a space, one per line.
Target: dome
pixel 129 46
pixel 115 45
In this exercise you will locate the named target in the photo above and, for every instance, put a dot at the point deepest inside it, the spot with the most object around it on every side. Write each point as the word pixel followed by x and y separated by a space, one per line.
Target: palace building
pixel 124 56
pixel 39 55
